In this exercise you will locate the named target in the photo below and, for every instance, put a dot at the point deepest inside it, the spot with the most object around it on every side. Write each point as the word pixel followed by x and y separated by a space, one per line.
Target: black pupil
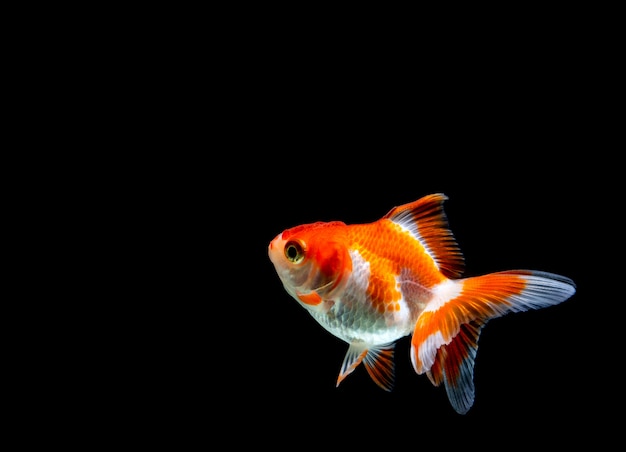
pixel 292 252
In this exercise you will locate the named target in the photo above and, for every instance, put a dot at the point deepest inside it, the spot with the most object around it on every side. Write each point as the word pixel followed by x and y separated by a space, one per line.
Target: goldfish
pixel 372 284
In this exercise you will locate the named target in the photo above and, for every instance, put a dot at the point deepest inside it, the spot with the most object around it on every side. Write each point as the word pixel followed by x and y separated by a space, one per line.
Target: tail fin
pixel 445 337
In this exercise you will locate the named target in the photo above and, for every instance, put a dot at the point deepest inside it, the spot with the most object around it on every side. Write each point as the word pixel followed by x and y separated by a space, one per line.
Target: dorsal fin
pixel 426 220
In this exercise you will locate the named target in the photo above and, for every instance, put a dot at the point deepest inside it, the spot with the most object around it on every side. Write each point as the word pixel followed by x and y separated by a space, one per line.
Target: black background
pixel 521 196
pixel 200 136
pixel 236 351
pixel 221 353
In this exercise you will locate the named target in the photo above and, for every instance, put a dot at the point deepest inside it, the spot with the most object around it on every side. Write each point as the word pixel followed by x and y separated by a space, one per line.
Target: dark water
pixel 218 351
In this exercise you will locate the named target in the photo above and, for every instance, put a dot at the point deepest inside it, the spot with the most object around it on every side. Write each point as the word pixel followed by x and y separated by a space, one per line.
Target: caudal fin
pixel 454 365
pixel 445 337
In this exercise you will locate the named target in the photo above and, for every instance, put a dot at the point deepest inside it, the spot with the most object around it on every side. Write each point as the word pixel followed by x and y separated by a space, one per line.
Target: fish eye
pixel 294 252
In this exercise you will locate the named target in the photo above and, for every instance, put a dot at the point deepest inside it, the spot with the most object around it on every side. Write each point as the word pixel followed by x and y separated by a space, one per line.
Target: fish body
pixel 373 284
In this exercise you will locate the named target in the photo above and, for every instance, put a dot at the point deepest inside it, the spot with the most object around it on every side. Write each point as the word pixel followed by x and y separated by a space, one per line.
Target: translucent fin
pixel 454 366
pixel 354 356
pixel 378 360
pixel 445 338
pixel 426 220
pixel 481 298
pixel 380 365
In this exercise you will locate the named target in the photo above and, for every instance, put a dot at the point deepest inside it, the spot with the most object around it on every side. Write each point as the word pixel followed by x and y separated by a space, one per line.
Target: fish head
pixel 312 261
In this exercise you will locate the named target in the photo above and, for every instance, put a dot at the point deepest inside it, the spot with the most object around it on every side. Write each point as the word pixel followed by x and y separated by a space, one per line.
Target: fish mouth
pixel 274 248
pixel 274 241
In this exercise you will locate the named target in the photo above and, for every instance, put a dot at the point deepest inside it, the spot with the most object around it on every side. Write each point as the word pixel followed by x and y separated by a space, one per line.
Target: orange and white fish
pixel 372 284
